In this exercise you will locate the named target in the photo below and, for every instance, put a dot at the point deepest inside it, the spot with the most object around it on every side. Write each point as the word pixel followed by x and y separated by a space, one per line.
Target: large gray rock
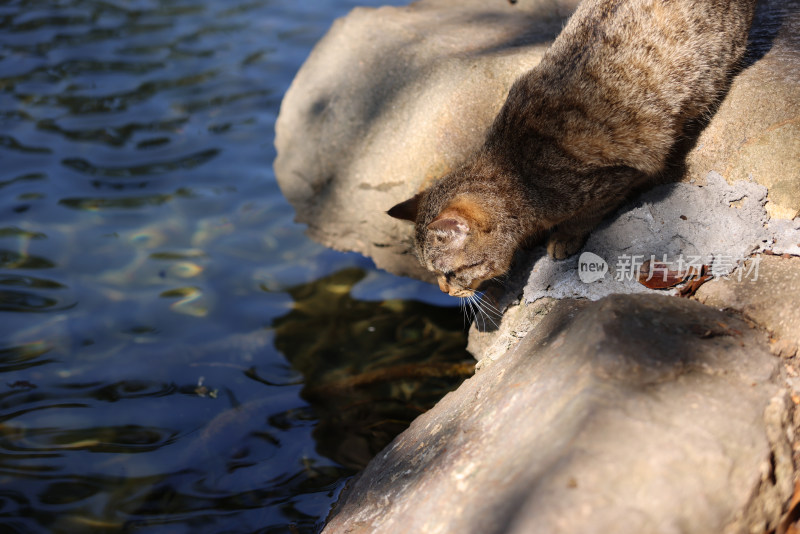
pixel 765 289
pixel 632 414
pixel 755 133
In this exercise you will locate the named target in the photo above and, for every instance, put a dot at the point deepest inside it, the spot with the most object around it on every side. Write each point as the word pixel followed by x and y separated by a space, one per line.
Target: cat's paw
pixel 561 245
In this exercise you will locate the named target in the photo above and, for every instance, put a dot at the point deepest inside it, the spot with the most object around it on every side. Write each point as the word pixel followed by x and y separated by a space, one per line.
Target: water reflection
pixel 369 367
pixel 10 259
pixel 18 358
pixel 175 355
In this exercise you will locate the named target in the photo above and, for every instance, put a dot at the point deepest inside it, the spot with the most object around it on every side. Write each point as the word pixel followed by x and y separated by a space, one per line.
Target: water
pixel 175 355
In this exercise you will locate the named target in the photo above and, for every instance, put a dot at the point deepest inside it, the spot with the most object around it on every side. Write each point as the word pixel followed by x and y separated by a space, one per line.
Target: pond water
pixel 175 355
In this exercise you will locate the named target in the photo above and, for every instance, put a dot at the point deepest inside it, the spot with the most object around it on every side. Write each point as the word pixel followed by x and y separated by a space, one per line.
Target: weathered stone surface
pixel 755 134
pixel 518 319
pixel 718 224
pixel 637 413
pixel 766 291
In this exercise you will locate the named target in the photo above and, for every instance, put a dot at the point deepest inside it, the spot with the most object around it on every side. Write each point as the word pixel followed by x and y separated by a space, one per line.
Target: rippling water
pixel 175 355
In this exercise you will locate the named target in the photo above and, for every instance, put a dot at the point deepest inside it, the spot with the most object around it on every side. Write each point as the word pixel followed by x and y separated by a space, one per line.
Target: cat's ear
pixel 450 222
pixel 406 210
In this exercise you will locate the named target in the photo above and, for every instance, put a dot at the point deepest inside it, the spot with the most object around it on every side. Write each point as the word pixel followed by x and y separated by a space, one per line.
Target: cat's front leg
pixel 561 245
pixel 569 236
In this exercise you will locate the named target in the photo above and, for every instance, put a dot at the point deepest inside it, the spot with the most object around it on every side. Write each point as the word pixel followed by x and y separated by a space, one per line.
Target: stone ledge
pixel 631 414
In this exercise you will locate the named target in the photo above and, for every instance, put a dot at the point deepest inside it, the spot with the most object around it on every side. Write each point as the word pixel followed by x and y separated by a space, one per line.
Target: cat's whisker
pixel 500 279
pixel 477 315
pixel 483 309
pixel 466 311
pixel 488 311
pixel 488 304
pixel 480 310
pixel 471 303
pixel 483 312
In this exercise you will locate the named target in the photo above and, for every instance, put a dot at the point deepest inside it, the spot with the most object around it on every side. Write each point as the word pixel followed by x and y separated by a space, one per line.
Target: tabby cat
pixel 595 119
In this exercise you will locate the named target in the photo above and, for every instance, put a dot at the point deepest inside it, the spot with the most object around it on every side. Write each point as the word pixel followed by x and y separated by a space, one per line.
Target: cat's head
pixel 458 242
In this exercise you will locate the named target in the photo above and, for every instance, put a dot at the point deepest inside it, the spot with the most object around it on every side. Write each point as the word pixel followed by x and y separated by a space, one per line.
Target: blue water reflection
pixel 175 355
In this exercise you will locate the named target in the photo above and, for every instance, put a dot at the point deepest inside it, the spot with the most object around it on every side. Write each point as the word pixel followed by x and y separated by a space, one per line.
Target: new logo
pixel 591 267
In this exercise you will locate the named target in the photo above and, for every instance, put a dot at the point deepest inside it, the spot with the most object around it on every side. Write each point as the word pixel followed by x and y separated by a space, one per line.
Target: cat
pixel 595 119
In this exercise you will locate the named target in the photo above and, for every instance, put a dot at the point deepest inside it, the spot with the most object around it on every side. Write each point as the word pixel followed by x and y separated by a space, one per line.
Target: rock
pixel 764 290
pixel 631 414
pixel 519 319
pixel 755 133
pixel 718 224
pixel 393 98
